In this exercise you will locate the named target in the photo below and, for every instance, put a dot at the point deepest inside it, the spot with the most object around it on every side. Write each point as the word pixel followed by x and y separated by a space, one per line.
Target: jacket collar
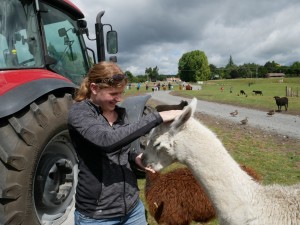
pixel 120 110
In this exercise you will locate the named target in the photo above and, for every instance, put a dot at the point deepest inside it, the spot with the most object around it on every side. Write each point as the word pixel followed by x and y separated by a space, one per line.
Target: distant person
pixel 180 87
pixel 138 87
pixel 158 86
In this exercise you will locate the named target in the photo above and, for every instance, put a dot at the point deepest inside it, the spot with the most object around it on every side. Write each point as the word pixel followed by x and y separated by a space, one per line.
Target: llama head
pixel 160 151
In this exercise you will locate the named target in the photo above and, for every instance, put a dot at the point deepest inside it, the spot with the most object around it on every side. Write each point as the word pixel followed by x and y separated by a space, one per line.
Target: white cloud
pixel 157 33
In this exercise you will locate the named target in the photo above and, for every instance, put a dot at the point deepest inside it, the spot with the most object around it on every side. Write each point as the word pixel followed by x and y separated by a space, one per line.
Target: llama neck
pixel 224 181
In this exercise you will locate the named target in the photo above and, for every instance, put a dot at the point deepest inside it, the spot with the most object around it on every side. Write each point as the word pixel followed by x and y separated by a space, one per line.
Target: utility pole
pixel 256 71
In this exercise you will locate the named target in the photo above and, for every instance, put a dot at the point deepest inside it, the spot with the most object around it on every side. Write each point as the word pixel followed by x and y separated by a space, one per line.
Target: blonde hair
pixel 100 74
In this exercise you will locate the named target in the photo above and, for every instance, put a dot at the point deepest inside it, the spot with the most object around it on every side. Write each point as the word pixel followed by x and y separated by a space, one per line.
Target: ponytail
pixel 84 91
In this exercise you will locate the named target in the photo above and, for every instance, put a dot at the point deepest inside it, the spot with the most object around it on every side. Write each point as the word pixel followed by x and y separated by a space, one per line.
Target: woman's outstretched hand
pixel 138 161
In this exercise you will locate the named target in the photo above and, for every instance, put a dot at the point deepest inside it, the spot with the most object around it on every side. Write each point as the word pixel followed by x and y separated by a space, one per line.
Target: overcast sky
pixel 158 32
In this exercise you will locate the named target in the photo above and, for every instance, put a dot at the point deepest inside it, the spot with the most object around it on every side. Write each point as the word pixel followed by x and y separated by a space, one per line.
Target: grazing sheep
pixel 176 198
pixel 242 92
pixel 257 92
pixel 236 198
pixel 284 101
pixel 180 106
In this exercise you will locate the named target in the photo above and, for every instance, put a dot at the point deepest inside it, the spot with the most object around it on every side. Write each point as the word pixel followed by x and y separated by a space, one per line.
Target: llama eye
pixel 156 145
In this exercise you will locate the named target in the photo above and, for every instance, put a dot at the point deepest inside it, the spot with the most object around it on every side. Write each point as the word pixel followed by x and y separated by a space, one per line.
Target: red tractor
pixel 43 57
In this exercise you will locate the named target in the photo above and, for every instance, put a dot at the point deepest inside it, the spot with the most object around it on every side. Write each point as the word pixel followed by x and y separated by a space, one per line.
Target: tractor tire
pixel 38 164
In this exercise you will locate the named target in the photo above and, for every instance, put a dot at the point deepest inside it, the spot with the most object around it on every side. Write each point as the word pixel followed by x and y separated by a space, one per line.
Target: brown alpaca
pixel 176 198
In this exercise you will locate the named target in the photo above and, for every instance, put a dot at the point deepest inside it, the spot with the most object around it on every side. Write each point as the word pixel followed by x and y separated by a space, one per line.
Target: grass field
pixel 275 157
pixel 211 91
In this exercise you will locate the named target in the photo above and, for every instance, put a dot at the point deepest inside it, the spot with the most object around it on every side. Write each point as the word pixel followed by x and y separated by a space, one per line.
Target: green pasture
pixel 211 91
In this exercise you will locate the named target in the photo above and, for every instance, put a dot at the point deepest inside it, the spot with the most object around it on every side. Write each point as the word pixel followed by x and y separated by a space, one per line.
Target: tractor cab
pixel 47 34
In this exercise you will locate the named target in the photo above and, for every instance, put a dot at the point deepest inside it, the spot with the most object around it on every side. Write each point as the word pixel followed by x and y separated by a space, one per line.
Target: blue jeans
pixel 136 217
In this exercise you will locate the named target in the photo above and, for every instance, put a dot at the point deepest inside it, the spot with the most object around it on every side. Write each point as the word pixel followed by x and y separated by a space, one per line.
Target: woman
pixel 107 191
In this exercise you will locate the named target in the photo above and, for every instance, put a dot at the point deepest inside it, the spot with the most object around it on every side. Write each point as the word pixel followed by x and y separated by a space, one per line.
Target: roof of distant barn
pixel 275 75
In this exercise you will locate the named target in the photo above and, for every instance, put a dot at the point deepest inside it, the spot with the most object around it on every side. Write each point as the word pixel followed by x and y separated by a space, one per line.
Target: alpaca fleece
pixel 176 198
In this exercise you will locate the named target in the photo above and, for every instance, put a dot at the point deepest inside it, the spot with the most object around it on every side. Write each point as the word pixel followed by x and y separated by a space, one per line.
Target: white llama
pixel 237 198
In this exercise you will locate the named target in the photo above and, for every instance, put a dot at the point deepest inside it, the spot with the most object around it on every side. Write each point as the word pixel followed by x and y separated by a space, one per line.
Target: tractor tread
pixel 23 136
pixel 12 192
pixel 17 162
pixel 27 136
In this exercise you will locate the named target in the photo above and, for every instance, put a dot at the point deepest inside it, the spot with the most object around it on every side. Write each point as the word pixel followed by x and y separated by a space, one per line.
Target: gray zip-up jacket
pixel 107 186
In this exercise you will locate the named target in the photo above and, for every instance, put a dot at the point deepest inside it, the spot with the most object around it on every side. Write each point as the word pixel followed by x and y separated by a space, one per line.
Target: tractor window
pixel 19 39
pixel 64 44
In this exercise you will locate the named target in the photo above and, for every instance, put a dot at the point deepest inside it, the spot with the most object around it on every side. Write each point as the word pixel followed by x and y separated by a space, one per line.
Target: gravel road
pixel 286 125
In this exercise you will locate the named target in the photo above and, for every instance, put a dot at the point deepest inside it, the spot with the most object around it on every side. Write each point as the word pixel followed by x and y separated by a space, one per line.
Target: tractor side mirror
pixel 112 42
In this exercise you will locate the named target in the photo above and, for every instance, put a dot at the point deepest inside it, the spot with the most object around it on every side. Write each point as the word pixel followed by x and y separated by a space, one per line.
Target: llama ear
pixel 187 113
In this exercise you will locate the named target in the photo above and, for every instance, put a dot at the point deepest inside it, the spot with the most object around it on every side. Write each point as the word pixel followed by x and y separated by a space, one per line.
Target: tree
pixel 272 67
pixel 234 73
pixel 141 78
pixel 129 75
pixel 246 71
pixel 295 69
pixel 214 73
pixel 253 70
pixel 193 66
pixel 231 69
pixel 152 74
pixel 230 63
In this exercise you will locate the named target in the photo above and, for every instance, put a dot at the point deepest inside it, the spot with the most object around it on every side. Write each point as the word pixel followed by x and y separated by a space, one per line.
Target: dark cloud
pixel 157 33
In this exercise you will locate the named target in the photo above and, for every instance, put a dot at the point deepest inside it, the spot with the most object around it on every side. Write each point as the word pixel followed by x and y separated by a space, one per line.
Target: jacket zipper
pixel 124 184
pixel 100 192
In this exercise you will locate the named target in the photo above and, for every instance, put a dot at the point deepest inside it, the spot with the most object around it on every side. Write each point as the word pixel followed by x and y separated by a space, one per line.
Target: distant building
pixel 268 75
pixel 173 79
pixel 215 77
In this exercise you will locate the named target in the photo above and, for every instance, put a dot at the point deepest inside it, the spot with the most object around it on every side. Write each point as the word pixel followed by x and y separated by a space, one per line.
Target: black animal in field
pixel 242 92
pixel 257 92
pixel 283 101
